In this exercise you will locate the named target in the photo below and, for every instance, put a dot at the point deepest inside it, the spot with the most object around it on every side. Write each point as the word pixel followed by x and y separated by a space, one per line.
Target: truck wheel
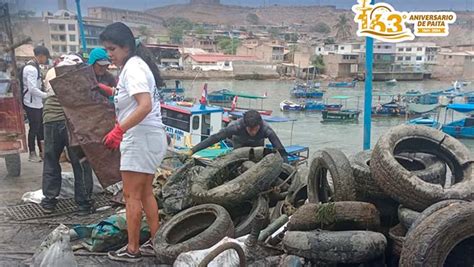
pixel 13 163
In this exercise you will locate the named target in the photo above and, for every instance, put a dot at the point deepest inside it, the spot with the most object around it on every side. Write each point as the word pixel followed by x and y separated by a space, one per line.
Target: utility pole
pixel 81 27
pixel 369 57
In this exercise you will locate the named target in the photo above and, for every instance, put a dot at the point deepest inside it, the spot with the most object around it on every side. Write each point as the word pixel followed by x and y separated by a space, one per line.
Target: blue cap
pixel 99 56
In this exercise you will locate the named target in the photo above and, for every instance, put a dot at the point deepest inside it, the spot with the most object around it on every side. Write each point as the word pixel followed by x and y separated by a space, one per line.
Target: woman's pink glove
pixel 109 91
pixel 113 138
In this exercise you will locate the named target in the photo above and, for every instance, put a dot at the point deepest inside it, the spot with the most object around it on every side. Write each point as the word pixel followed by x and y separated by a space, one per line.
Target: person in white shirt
pixel 139 124
pixel 31 86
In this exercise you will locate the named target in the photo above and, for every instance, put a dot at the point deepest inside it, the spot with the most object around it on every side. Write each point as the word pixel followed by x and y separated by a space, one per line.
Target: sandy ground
pixel 18 240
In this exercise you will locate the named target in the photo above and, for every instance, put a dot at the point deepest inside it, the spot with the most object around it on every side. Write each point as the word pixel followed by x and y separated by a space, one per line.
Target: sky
pixel 401 5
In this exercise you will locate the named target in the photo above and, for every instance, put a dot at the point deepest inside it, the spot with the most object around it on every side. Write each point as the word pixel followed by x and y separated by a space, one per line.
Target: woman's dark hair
pixel 252 118
pixel 121 35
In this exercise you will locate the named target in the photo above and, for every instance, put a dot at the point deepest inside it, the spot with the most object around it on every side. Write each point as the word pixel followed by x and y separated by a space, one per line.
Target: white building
pixel 343 48
pixel 420 54
pixel 63 32
pixel 217 62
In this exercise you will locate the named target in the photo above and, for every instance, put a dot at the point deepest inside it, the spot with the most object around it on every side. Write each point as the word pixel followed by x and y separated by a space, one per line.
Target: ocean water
pixel 308 130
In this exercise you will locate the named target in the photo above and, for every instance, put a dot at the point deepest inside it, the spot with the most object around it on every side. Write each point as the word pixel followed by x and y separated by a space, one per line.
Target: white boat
pixel 287 105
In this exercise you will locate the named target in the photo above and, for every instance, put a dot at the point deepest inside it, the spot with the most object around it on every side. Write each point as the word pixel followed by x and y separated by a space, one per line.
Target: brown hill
pixel 460 33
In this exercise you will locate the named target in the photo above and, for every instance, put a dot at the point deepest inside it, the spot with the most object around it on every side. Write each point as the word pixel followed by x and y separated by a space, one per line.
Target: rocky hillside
pixel 460 33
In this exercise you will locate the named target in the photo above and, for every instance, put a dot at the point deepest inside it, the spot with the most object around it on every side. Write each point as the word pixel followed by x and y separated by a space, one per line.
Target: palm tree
pixel 343 28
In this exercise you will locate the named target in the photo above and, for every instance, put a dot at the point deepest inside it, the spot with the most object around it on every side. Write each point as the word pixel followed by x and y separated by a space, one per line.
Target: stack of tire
pixel 426 209
pixel 222 198
pixel 334 227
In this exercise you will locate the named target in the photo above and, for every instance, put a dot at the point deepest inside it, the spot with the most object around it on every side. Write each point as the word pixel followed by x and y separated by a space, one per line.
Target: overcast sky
pixel 402 5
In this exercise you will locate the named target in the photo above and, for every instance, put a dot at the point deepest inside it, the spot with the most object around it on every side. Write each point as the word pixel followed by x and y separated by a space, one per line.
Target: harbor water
pixel 308 130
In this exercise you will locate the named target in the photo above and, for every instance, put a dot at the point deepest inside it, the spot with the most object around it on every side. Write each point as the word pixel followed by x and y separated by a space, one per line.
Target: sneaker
pixel 47 209
pixel 34 158
pixel 147 249
pixel 123 255
pixel 85 210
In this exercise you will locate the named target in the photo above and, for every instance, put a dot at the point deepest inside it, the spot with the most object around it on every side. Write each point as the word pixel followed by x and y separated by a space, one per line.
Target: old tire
pixel 397 238
pixel 337 216
pixel 175 193
pixel 199 227
pixel 259 206
pixel 297 192
pixel 335 162
pixel 335 247
pixel 427 167
pixel 407 216
pixel 431 242
pixel 388 209
pixel 238 190
pixel 432 209
pixel 407 188
pixel 13 164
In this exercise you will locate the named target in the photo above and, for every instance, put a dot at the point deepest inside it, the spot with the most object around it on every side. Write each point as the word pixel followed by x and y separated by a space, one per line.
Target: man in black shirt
pixel 250 131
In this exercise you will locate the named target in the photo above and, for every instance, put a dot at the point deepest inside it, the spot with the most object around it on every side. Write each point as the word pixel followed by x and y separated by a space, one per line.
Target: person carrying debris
pixel 32 97
pixel 100 62
pixel 138 133
pixel 56 139
pixel 249 131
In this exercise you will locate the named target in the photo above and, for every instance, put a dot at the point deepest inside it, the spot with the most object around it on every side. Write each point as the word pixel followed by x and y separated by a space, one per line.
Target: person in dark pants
pixel 56 139
pixel 31 86
pixel 250 131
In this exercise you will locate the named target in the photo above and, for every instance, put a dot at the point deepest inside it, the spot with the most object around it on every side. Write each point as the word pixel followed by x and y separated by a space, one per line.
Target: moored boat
pixel 343 84
pixel 425 121
pixel 462 128
pixel 287 105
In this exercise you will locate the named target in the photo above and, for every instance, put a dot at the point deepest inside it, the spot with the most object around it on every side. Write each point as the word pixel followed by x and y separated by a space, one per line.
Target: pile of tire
pixel 334 227
pixel 412 174
pixel 207 202
pixel 405 202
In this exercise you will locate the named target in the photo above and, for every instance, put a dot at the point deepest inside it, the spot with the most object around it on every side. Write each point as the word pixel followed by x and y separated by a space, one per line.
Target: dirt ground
pixel 18 240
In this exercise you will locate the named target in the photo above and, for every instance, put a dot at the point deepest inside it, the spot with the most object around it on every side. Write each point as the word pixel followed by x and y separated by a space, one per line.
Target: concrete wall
pixel 338 67
pixel 449 66
pixel 468 73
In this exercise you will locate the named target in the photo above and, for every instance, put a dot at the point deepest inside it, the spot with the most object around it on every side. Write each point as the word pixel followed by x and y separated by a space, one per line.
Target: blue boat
pixel 343 84
pixel 341 115
pixel 425 121
pixel 320 106
pixel 463 128
pixel 220 96
pixel 306 91
pixel 391 109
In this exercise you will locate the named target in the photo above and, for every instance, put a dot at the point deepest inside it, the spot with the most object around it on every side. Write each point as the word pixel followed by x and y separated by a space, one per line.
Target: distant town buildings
pixel 418 54
pixel 63 32
pixel 64 36
pixel 291 48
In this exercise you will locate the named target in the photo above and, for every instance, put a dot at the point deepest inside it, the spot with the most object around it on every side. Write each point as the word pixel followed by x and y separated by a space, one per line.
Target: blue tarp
pixel 463 108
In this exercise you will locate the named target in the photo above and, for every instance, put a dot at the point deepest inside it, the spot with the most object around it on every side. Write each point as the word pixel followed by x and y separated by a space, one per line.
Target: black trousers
pixel 35 121
pixel 56 139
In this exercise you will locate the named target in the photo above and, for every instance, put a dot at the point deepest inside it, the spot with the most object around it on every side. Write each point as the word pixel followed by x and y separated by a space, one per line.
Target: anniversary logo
pixel 381 21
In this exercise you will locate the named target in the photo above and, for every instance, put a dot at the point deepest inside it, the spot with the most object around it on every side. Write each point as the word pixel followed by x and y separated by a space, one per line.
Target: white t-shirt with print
pixel 136 77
